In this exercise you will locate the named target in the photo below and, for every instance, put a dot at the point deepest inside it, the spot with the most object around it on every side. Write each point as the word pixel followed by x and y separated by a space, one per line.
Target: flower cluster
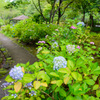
pixel 73 27
pixel 78 47
pixel 39 49
pixel 15 95
pixel 70 48
pixel 59 62
pixel 92 43
pixel 6 84
pixel 46 36
pixel 32 93
pixel 29 85
pixel 54 45
pixel 41 41
pixel 16 73
pixel 81 23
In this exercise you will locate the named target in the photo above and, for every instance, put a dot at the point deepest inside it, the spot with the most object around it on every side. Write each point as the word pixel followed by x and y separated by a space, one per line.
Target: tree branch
pixel 67 7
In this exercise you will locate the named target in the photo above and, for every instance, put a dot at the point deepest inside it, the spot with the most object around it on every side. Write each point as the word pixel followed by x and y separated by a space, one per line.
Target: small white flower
pixel 39 49
pixel 54 45
pixel 70 48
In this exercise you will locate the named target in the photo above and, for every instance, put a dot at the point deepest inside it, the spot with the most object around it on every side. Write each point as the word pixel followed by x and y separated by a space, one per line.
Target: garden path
pixel 19 55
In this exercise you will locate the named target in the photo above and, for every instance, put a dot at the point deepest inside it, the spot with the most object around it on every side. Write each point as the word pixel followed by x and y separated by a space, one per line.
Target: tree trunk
pixel 59 11
pixel 83 19
pixel 91 20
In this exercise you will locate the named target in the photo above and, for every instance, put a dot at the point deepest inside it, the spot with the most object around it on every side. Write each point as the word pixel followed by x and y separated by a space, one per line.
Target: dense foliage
pixel 29 31
pixel 65 70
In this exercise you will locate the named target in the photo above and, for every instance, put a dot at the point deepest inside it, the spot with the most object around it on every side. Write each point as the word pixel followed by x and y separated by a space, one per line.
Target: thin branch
pixel 47 94
pixel 67 7
pixel 52 10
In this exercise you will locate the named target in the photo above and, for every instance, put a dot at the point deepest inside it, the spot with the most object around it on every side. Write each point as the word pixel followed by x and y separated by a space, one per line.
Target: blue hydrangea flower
pixel 15 95
pixel 54 45
pixel 29 85
pixel 59 62
pixel 70 48
pixel 16 73
pixel 81 23
pixel 5 84
pixel 32 93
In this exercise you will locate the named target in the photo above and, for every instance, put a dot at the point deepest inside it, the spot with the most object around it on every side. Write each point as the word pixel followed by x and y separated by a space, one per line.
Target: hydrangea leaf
pixel 76 76
pixel 66 79
pixel 54 74
pixel 17 86
pixel 44 76
pixel 28 78
pixel 62 92
pixel 36 84
pixel 44 84
pixel 90 82
pixel 95 87
pixel 53 82
pixel 59 83
pixel 64 70
pixel 98 93
pixel 9 79
pixel 45 51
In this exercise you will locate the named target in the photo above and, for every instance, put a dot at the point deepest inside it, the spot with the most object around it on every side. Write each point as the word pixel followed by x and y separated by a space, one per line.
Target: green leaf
pixel 90 82
pixel 70 98
pixel 95 87
pixel 36 84
pixel 98 93
pixel 62 92
pixel 70 64
pixel 54 74
pixel 36 65
pixel 96 71
pixel 9 79
pixel 44 76
pixel 28 78
pixel 59 83
pixel 76 76
pixel 64 70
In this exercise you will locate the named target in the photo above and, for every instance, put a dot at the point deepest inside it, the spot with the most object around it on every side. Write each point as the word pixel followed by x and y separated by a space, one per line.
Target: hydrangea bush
pixel 63 73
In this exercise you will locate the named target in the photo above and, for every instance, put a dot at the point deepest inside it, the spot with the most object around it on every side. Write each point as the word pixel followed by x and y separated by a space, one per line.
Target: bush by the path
pixel 65 70
pixel 29 31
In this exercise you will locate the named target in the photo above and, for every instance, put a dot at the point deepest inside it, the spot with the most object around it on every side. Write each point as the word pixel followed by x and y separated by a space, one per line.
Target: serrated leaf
pixel 17 86
pixel 28 78
pixel 59 82
pixel 45 51
pixel 76 76
pixel 44 84
pixel 90 82
pixel 53 82
pixel 9 79
pixel 70 64
pixel 95 87
pixel 64 70
pixel 98 93
pixel 36 84
pixel 62 92
pixel 36 64
pixel 54 74
pixel 66 79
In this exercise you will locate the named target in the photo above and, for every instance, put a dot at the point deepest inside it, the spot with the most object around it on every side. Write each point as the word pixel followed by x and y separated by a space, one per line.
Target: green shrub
pixel 65 70
pixel 29 31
